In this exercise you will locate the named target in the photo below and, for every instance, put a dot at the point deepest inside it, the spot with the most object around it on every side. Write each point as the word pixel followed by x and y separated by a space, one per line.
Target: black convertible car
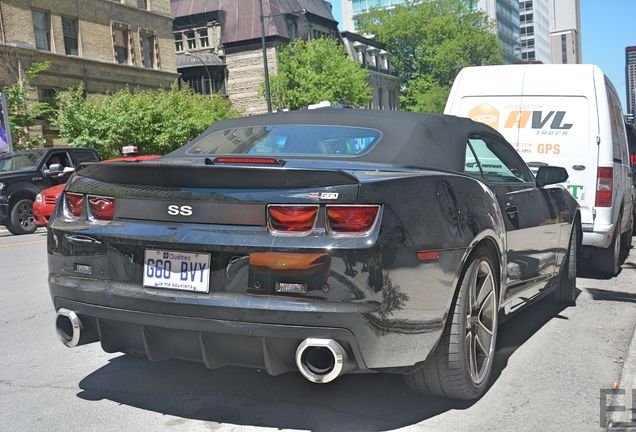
pixel 327 241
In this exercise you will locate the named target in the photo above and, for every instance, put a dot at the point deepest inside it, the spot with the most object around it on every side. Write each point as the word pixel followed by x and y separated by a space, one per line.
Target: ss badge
pixel 175 210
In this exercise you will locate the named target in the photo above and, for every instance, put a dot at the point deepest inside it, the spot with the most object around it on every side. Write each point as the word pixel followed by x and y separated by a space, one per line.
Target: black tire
pixel 565 294
pixel 449 371
pixel 607 260
pixel 626 242
pixel 21 220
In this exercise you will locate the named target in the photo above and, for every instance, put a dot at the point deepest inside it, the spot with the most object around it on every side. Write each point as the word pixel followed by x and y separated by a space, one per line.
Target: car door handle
pixel 512 211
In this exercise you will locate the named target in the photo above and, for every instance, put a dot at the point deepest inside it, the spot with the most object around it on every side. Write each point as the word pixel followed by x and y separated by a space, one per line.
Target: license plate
pixel 185 271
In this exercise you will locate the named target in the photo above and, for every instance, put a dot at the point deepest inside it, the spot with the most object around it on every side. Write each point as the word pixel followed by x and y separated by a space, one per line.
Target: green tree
pixel 25 111
pixel 430 43
pixel 156 121
pixel 317 70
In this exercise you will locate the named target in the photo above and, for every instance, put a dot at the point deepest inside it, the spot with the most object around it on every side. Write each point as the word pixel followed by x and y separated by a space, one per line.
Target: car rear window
pixel 303 140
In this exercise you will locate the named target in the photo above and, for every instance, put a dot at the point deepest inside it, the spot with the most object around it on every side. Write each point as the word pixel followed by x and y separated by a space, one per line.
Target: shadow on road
pixel 607 295
pixel 249 398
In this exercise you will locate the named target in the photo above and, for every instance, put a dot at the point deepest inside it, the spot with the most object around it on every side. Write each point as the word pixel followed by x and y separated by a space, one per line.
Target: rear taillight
pixel 73 205
pixel 632 159
pixel 351 219
pixel 604 186
pixel 292 219
pixel 101 208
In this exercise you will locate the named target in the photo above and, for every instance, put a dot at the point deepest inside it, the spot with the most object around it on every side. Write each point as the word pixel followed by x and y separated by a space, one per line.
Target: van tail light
pixel 73 205
pixel 351 219
pixel 292 219
pixel 604 186
pixel 632 159
pixel 101 208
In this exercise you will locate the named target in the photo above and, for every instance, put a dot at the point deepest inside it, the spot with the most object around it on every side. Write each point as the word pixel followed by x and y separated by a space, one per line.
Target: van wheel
pixel 608 260
pixel 21 220
pixel 461 365
pixel 626 242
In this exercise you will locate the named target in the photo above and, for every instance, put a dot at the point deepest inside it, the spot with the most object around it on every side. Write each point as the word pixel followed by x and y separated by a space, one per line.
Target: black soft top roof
pixel 413 139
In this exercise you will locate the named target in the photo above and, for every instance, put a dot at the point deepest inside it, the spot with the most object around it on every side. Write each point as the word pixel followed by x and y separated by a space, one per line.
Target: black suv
pixel 24 174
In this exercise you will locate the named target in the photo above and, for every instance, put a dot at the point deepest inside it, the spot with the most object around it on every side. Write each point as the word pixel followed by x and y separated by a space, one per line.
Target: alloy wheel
pixel 481 322
pixel 25 216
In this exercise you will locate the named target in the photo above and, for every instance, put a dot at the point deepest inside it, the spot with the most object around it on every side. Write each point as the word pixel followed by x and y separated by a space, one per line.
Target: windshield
pixel 23 161
pixel 310 140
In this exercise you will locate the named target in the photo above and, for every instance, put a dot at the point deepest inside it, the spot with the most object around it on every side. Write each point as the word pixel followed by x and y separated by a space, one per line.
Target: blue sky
pixel 607 27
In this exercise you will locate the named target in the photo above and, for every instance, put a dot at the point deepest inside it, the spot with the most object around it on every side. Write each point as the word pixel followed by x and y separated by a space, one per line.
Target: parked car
pixel 24 174
pixel 327 241
pixel 566 115
pixel 46 200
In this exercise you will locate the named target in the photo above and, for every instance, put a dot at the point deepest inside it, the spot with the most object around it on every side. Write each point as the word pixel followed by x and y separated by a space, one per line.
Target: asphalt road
pixel 550 367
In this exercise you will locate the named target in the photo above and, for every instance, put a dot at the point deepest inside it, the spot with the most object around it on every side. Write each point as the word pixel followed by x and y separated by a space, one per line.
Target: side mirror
pixel 58 170
pixel 548 175
pixel 54 170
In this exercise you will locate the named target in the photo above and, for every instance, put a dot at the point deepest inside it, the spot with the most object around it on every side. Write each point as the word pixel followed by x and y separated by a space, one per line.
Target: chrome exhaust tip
pixel 68 327
pixel 320 360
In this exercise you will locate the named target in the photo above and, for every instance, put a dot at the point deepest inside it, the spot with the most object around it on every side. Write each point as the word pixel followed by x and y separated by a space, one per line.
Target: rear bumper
pixel 596 235
pixel 215 343
pixel 251 331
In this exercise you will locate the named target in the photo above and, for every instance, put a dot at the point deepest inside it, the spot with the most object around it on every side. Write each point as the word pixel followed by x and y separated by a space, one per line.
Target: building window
pixel 142 4
pixel 70 30
pixel 292 29
pixel 317 34
pixel 178 42
pixel 47 95
pixel 564 49
pixel 147 42
pixel 204 41
pixel 121 45
pixel 191 39
pixel 42 29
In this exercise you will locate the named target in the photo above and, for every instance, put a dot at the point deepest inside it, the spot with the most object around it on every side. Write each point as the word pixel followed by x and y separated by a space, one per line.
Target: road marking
pixel 20 244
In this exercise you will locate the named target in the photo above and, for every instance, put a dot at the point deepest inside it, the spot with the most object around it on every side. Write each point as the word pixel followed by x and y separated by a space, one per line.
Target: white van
pixel 562 115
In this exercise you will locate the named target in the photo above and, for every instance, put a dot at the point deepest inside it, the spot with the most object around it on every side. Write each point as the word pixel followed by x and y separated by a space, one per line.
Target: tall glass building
pixel 534 16
pixel 505 13
pixel 630 78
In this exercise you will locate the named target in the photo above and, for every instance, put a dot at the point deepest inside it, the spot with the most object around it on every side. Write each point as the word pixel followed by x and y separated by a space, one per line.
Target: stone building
pixel 225 36
pixel 105 44
pixel 373 56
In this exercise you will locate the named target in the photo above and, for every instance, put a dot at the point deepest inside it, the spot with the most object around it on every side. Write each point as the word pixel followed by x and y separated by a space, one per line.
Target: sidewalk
pixel 625 421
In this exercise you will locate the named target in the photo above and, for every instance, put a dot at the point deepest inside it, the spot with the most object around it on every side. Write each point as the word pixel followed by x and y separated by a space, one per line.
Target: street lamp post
pixel 207 71
pixel 268 93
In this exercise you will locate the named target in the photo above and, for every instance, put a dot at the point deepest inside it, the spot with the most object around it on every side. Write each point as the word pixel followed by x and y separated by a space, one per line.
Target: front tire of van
pixel 608 260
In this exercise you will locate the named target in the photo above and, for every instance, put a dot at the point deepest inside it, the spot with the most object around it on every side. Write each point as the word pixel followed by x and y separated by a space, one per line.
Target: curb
pixel 621 421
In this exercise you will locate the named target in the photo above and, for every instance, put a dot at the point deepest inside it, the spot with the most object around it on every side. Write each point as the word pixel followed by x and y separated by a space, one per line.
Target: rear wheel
pixel 565 294
pixel 607 261
pixel 461 365
pixel 21 220
pixel 626 242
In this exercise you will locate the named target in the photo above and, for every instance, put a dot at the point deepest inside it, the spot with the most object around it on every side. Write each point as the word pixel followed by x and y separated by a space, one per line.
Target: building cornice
pixel 47 55
pixel 138 10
